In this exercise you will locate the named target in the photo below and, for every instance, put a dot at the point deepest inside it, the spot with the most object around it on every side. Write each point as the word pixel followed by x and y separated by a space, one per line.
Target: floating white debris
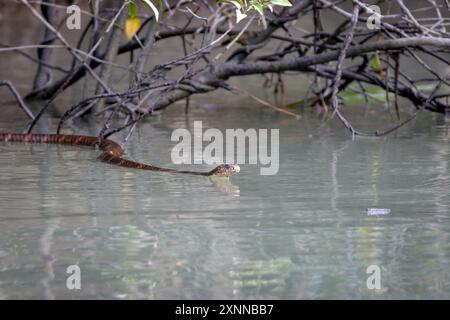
pixel 378 211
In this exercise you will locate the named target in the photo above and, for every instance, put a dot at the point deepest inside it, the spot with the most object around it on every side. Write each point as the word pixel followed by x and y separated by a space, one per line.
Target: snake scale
pixel 111 152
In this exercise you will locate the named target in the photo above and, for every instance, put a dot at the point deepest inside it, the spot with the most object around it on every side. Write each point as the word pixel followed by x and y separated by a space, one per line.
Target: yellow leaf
pixel 132 26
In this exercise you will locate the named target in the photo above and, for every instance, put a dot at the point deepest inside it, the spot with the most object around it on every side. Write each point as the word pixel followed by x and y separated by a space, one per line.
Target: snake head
pixel 225 170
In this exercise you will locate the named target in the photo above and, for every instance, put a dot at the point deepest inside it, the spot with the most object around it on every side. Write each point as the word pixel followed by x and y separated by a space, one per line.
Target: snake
pixel 111 152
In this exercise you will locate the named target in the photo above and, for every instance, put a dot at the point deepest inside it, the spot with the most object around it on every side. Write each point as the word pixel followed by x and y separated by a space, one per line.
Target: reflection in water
pixel 224 184
pixel 46 244
pixel 303 233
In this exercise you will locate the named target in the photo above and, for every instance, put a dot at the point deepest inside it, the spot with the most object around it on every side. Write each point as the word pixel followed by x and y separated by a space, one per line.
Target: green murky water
pixel 303 233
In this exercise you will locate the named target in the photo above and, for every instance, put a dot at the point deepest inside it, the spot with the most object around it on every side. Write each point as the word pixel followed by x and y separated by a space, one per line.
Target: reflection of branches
pixel 341 56
pixel 46 250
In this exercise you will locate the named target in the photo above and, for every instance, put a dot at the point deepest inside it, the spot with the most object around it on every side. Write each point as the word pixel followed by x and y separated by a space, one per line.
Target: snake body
pixel 111 152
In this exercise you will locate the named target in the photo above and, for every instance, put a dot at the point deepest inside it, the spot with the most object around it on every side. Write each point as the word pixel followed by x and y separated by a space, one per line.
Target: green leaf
pixel 133 9
pixel 237 4
pixel 154 9
pixel 375 62
pixel 258 7
pixel 284 3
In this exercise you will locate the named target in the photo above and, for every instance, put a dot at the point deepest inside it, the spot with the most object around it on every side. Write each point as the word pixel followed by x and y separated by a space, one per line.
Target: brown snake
pixel 112 152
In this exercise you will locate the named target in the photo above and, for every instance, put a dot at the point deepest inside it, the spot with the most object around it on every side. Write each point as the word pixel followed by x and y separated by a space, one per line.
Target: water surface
pixel 303 233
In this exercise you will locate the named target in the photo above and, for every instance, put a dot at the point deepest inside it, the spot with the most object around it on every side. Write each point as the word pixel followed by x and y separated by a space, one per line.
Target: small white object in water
pixel 378 211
